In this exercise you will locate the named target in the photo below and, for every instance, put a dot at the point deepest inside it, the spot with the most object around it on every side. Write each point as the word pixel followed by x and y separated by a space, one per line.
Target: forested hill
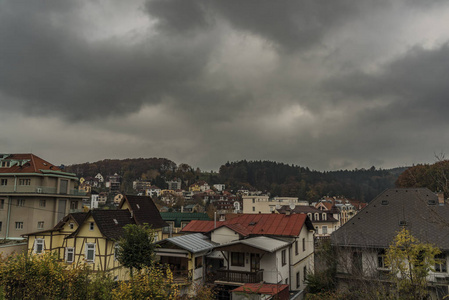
pixel 278 179
pixel 288 180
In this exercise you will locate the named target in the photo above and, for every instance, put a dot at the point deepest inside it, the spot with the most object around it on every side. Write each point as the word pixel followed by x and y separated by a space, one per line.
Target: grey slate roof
pixel 145 211
pixel 111 222
pixel 377 224
pixel 193 243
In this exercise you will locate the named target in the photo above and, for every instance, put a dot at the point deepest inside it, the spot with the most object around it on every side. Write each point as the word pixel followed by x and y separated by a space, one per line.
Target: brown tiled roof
pixel 33 165
pixel 377 224
pixel 111 222
pixel 258 224
pixel 144 211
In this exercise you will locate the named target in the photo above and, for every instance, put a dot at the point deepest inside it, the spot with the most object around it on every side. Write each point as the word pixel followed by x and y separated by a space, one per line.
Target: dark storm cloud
pixel 416 83
pixel 42 60
pixel 293 25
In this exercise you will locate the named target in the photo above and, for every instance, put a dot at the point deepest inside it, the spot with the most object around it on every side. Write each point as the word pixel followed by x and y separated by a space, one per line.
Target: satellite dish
pixel 278 206
pixel 292 206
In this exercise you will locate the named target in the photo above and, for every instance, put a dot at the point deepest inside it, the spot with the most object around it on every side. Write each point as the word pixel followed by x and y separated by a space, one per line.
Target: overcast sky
pixel 325 84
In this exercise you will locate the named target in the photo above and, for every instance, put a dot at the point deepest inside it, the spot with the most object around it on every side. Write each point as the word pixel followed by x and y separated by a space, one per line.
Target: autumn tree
pixel 410 262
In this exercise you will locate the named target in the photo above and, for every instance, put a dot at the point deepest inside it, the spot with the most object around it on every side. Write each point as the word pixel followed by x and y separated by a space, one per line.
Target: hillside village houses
pixel 271 243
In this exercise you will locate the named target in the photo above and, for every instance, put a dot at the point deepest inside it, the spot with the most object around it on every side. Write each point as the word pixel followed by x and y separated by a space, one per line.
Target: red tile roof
pixel 256 224
pixel 33 164
pixel 261 288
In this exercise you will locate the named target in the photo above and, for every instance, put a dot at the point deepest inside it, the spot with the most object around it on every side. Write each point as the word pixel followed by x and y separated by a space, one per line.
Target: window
pixel 2 203
pixel 42 202
pixel 324 229
pixel 24 181
pixel 20 202
pixel 357 265
pixel 63 186
pixel 440 263
pixel 254 200
pixel 19 225
pixel 5 164
pixel 381 259
pixel 298 279
pixel 303 244
pixel 254 209
pixel 116 250
pixel 316 216
pixel 4 182
pixel 286 280
pixel 1 226
pixel 304 273
pixel 198 262
pixel 40 225
pixel 71 225
pixel 237 259
pixel 324 216
pixel 296 248
pixel 90 252
pixel 91 226
pixel 284 257
pixel 38 246
pixel 69 254
pixel 74 205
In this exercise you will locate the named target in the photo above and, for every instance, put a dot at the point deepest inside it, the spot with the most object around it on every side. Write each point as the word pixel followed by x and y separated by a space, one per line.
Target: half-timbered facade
pixel 92 237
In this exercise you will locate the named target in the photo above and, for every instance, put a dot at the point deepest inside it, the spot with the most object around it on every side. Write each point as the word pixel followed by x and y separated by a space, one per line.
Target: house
pixel 178 220
pixel 92 237
pixel 199 186
pixel 191 208
pixel 153 191
pixel 34 194
pixel 186 257
pixel 362 241
pixel 324 221
pixel 219 187
pixel 174 184
pixel 255 204
pixel 102 198
pixel 269 248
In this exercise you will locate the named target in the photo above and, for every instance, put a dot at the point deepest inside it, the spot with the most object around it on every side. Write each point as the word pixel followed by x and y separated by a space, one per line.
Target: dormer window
pixel 317 216
pixel 324 216
pixel 5 164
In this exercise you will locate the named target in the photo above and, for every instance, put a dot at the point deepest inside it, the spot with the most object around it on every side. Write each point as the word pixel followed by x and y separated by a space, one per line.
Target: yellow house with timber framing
pixel 91 237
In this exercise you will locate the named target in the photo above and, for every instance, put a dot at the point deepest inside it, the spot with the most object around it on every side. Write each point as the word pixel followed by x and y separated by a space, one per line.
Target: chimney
pixel 440 198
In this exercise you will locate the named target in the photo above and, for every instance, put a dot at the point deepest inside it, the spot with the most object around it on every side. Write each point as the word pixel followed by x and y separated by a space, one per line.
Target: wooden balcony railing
pixel 239 276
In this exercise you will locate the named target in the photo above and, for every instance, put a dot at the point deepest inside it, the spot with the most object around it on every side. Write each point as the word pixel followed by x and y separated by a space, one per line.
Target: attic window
pixel 384 202
pixel 138 206
pixel 402 223
pixel 431 202
pixel 115 221
pixel 252 223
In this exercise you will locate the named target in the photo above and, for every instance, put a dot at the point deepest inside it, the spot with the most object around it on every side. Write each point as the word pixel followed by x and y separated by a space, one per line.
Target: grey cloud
pixel 416 83
pixel 44 61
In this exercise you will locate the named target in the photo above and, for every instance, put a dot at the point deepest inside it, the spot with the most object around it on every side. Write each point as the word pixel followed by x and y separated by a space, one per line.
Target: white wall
pixel 224 235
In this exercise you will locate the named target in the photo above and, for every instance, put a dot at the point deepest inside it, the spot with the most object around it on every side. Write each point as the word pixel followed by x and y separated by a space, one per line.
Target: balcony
pixel 30 189
pixel 239 276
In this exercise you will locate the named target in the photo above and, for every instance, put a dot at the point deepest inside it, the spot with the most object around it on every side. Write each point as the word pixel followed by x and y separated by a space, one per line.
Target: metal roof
pixel 261 242
pixel 193 243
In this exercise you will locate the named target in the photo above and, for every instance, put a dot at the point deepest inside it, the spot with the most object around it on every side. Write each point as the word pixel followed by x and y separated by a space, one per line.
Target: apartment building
pixel 34 195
